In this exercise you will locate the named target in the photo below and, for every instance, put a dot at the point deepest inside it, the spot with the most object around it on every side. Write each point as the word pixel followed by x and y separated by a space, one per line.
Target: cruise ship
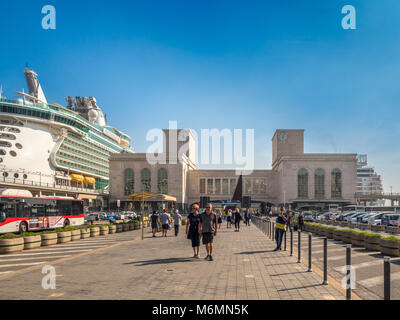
pixel 56 145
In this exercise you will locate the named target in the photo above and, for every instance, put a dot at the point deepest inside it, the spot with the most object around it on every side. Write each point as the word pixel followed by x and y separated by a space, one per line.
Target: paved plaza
pixel 123 266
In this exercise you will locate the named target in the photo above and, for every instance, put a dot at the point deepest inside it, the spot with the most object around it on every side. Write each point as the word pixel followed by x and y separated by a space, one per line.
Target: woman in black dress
pixel 238 217
pixel 192 230
pixel 219 219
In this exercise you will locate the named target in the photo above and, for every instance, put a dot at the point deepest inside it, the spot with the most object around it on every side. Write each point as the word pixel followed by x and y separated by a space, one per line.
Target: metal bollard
pixel 298 246
pixel 386 278
pixel 291 242
pixel 285 241
pixel 325 261
pixel 309 253
pixel 348 272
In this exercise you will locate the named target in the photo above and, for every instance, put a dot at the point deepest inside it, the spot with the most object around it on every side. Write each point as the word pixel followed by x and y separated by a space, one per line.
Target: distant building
pixel 368 181
pixel 296 178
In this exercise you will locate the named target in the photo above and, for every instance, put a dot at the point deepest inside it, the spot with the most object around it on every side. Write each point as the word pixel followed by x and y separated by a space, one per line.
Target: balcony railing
pixel 51 185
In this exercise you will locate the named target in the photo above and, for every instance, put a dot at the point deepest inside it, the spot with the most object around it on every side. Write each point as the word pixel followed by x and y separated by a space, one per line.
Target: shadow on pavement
pixel 289 273
pixel 303 287
pixel 160 261
pixel 254 252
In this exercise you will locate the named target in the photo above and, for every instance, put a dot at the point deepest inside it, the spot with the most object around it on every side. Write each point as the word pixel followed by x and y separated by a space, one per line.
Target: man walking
pixel 177 221
pixel 165 221
pixel 208 228
pixel 280 228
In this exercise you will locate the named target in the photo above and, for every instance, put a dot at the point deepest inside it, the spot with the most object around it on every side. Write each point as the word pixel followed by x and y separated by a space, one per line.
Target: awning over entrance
pixel 150 196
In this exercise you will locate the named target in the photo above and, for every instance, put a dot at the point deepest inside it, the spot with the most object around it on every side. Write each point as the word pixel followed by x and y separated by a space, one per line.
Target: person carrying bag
pixel 280 229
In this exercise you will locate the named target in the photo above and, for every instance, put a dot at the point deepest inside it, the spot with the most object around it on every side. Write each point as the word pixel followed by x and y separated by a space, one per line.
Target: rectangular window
pixel 217 186
pixel 7 210
pixel 52 208
pixel 233 185
pixel 263 186
pixel 225 186
pixel 23 210
pixel 247 188
pixel 202 185
pixel 38 210
pixel 64 207
pixel 256 186
pixel 210 186
pixel 77 208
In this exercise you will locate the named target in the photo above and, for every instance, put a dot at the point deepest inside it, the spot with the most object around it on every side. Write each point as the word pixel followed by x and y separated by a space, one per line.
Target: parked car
pixel 92 216
pixel 354 218
pixel 376 219
pixel 307 216
pixel 391 220
pixel 342 217
pixel 318 215
pixel 364 218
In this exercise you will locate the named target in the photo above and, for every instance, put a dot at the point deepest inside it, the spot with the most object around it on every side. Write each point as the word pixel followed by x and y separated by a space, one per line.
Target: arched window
pixel 163 181
pixel 319 184
pixel 302 183
pixel 336 183
pixel 146 180
pixel 129 182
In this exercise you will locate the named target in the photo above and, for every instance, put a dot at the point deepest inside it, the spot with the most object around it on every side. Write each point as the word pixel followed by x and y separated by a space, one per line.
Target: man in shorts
pixel 208 229
pixel 165 221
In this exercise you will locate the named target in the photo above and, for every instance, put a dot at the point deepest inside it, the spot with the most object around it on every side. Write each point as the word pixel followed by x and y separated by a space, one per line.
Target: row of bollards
pixel 269 228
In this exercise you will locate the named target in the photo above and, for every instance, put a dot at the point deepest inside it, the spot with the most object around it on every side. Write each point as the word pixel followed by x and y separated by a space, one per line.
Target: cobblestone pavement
pixel 244 267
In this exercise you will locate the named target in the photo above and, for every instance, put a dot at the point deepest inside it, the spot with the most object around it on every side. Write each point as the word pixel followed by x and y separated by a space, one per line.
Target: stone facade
pixel 278 186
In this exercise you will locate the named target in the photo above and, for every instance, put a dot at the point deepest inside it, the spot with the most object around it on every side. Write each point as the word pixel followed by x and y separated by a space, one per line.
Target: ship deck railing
pixel 50 185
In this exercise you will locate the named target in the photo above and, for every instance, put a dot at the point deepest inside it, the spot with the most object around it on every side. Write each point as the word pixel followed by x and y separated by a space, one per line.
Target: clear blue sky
pixel 222 64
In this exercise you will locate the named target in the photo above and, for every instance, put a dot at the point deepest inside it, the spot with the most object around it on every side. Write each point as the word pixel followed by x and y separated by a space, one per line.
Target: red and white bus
pixel 21 214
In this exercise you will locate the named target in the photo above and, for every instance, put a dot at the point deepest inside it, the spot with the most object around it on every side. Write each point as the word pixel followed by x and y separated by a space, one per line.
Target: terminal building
pixel 300 179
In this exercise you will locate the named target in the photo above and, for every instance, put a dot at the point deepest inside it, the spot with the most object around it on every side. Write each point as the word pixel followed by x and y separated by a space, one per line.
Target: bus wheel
pixel 23 227
pixel 66 223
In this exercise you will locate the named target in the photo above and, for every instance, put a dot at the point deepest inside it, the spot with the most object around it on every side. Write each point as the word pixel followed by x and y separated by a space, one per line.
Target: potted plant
pixel 75 233
pixel 357 238
pixel 136 224
pixel 346 235
pixel 125 227
pixel 85 232
pixel 94 230
pixel 112 228
pixel 49 237
pixel 104 230
pixel 63 236
pixel 119 227
pixel 11 242
pixel 31 240
pixel 329 232
pixel 372 241
pixel 390 246
pixel 131 225
pixel 337 234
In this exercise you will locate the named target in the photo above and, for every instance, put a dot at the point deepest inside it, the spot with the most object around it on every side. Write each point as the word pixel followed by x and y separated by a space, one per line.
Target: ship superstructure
pixel 57 145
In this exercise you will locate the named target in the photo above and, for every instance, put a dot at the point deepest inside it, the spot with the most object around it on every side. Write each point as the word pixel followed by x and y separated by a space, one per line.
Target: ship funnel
pixel 35 89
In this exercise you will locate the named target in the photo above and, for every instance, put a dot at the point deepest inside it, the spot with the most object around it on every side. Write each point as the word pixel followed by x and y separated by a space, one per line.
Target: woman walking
pixel 229 219
pixel 154 222
pixel 238 217
pixel 219 219
pixel 192 230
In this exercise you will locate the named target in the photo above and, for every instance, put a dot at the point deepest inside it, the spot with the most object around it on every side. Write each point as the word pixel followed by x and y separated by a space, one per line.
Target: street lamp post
pixel 144 184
